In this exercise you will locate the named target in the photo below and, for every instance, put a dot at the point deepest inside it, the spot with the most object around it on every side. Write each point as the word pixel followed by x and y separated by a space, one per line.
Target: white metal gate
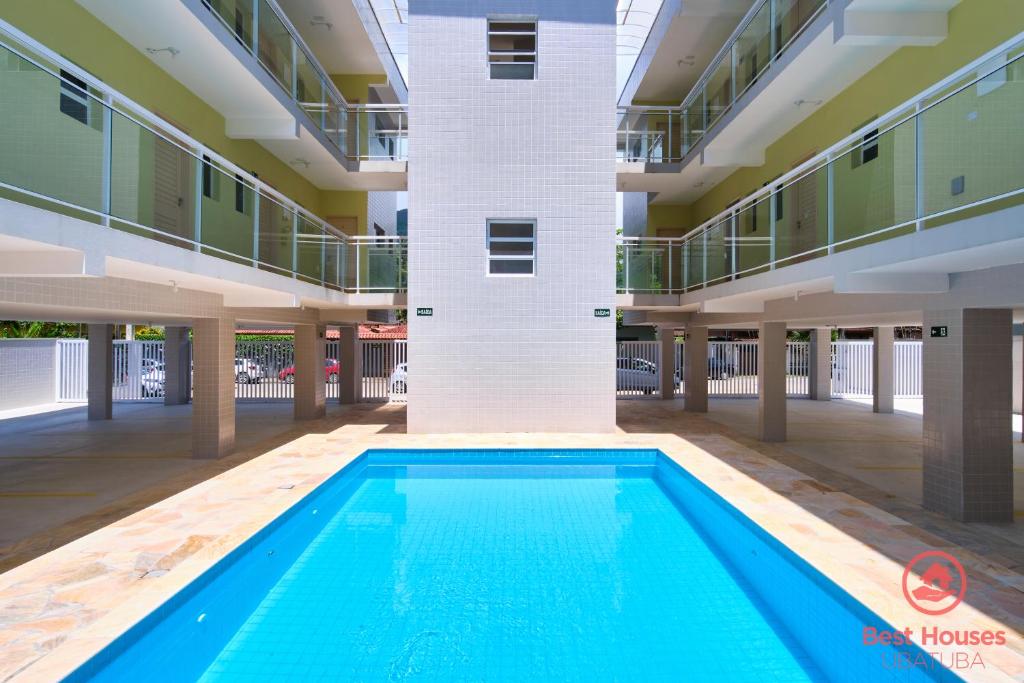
pixel 72 370
pixel 636 369
pixel 851 369
pixel 385 370
pixel 264 370
pixel 907 371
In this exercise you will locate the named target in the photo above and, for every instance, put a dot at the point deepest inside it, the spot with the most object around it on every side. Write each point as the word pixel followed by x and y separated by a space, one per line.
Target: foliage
pixel 26 329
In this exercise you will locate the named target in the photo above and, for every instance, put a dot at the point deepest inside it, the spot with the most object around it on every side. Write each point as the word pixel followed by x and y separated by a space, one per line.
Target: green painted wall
pixel 355 87
pixel 66 27
pixel 975 26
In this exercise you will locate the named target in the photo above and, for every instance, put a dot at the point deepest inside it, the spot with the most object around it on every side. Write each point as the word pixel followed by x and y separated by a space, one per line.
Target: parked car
pixel 153 381
pixel 247 371
pixel 636 374
pixel 398 384
pixel 331 371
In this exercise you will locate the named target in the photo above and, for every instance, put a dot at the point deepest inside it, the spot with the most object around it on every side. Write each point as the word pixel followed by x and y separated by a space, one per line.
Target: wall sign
pixel 424 312
pixel 939 331
pixel 602 312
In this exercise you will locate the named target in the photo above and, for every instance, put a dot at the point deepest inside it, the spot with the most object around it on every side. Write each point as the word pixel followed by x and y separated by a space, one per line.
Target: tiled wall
pixel 512 354
pixel 27 372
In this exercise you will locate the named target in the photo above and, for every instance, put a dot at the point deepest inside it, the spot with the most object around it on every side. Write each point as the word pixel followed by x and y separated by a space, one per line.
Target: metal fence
pixel 265 370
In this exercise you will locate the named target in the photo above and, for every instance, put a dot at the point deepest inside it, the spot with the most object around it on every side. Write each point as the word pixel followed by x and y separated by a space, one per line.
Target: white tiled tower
pixel 511 354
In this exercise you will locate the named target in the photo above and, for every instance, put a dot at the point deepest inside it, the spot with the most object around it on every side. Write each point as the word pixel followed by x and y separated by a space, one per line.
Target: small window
pixel 240 193
pixel 510 247
pixel 74 97
pixel 868 150
pixel 512 50
pixel 211 180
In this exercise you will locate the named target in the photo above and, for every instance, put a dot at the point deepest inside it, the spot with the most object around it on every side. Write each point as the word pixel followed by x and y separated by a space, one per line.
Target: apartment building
pixel 784 165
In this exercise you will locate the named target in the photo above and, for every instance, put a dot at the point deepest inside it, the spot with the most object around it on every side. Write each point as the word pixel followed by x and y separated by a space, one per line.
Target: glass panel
pixel 694 257
pixel 972 146
pixel 382 265
pixel 753 238
pixel 801 217
pixel 718 266
pixel 499 248
pixel 152 181
pixel 753 48
pixel 310 250
pixel 275 46
pixel 645 267
pixel 309 89
pixel 51 137
pixel 227 213
pixel 276 233
pixel 237 16
pixel 511 267
pixel 790 18
pixel 518 230
pixel 512 72
pixel 718 90
pixel 875 184
pixel 692 116
pixel 334 259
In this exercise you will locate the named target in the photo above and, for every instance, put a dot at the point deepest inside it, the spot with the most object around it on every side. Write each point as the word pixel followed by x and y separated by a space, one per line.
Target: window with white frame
pixel 511 246
pixel 512 49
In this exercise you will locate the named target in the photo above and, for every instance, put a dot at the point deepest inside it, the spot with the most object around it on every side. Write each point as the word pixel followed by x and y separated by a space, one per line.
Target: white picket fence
pixel 265 370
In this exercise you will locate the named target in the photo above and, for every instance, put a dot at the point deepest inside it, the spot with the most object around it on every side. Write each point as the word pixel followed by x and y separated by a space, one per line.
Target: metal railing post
pixel 704 258
pixel 773 42
pixel 295 244
pixel 255 227
pixel 830 201
pixel 201 166
pixel 625 267
pixel 686 265
pixel 108 157
pixel 256 29
pixel 734 221
pixel 918 169
pixel 359 257
pixel 773 202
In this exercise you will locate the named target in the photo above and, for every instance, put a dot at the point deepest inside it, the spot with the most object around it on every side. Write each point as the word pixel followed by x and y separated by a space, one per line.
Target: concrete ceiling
pixel 693 38
pixel 342 47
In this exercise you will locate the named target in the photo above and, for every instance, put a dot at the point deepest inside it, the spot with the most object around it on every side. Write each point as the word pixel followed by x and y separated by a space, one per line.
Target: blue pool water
pixel 500 565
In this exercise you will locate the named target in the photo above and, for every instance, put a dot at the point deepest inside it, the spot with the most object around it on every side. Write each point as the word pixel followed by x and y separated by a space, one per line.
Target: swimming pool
pixel 506 565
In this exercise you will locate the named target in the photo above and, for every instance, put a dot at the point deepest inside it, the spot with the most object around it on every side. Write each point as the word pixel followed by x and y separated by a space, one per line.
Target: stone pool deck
pixel 62 607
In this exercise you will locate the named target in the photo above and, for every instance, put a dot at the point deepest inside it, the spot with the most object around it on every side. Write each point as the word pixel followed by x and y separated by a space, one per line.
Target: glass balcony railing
pixel 70 144
pixel 370 132
pixel 667 134
pixel 953 152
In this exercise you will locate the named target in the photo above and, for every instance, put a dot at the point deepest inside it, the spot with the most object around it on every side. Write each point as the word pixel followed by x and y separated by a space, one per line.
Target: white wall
pixel 27 372
pixel 512 354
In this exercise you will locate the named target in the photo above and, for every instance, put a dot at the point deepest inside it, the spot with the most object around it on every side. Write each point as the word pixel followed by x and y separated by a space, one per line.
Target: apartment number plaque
pixel 939 331
pixel 424 312
pixel 602 312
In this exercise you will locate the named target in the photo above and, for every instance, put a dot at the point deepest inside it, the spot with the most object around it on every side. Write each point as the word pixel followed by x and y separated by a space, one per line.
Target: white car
pixel 247 371
pixel 636 374
pixel 398 384
pixel 153 381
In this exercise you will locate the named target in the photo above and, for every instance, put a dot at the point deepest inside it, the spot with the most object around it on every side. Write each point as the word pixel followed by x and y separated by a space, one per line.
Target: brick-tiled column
pixel 177 366
pixel 213 391
pixel 100 391
pixel 667 340
pixel 771 382
pixel 349 359
pixel 819 379
pixel 883 385
pixel 310 387
pixel 968 443
pixel 695 369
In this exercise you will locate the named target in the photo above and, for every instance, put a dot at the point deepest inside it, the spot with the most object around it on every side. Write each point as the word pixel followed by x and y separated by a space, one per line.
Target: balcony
pixel 951 155
pixel 359 133
pixel 72 145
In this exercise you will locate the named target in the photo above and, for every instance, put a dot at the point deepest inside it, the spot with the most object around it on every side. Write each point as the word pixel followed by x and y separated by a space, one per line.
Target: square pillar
pixel 213 391
pixel 350 360
pixel 819 380
pixel 968 442
pixel 100 390
pixel 695 370
pixel 177 366
pixel 310 381
pixel 667 345
pixel 883 379
pixel 771 382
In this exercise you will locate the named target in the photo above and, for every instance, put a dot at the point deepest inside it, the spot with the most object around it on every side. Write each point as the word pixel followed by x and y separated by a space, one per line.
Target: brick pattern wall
pixel 507 354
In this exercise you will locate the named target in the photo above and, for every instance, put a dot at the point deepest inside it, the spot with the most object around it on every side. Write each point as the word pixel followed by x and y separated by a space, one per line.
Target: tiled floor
pixel 60 607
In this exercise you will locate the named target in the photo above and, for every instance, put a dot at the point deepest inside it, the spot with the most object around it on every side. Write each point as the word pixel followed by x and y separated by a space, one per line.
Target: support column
pixel 968 445
pixel 350 359
pixel 177 366
pixel 771 382
pixel 819 381
pixel 695 370
pixel 213 393
pixel 100 391
pixel 310 381
pixel 667 342
pixel 883 352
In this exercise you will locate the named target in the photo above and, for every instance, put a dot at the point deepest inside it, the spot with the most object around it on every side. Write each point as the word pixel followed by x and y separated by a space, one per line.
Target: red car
pixel 331 371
